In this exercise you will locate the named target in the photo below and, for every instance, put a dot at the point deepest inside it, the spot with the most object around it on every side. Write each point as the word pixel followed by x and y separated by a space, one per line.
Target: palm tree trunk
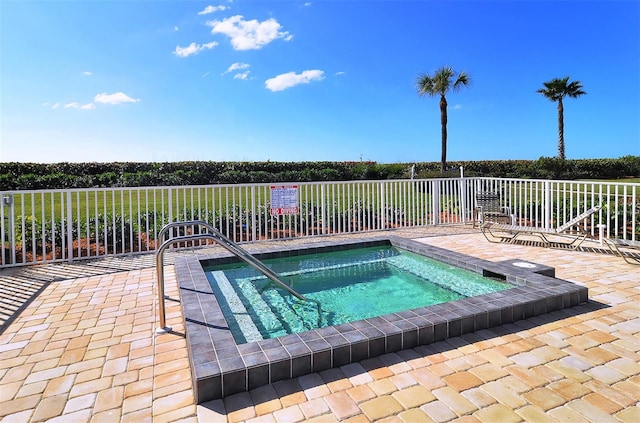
pixel 560 130
pixel 443 123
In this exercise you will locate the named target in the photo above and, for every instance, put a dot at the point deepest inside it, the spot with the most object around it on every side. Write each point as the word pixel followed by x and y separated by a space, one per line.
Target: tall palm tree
pixel 556 90
pixel 442 80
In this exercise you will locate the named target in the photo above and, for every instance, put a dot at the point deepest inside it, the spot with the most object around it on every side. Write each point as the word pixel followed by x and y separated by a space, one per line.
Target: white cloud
pixel 307 4
pixel 115 98
pixel 204 75
pixel 340 73
pixel 175 28
pixel 212 9
pixel 249 35
pixel 237 66
pixel 291 79
pixel 56 106
pixel 243 76
pixel 193 48
pixel 76 105
pixel 87 73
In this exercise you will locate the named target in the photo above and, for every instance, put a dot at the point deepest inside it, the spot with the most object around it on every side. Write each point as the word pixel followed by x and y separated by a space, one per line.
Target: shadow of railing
pixel 20 286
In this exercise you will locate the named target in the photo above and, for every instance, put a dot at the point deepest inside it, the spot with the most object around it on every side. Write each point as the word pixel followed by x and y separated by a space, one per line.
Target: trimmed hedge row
pixel 25 176
pixel 546 168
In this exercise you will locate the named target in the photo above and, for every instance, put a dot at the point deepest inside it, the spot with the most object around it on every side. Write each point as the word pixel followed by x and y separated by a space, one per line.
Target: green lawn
pixel 222 200
pixel 219 199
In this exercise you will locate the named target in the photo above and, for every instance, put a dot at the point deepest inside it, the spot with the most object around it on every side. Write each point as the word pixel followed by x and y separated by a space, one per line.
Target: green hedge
pixel 25 176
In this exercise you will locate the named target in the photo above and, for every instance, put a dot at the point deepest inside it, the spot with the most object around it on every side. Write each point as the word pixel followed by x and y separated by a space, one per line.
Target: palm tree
pixel 556 90
pixel 440 83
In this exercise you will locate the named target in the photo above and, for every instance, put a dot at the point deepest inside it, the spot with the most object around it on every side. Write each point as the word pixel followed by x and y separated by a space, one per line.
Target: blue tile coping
pixel 221 367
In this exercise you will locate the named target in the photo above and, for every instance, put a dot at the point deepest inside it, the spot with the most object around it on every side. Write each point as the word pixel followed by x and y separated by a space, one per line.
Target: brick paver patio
pixel 84 350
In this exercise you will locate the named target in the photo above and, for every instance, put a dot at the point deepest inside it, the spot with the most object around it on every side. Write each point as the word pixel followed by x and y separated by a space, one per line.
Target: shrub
pixel 112 230
pixel 30 176
pixel 43 235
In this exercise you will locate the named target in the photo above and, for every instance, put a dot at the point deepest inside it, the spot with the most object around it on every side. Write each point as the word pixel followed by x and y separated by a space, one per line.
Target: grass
pixel 221 200
pixel 131 202
pixel 624 181
pixel 584 188
pixel 124 201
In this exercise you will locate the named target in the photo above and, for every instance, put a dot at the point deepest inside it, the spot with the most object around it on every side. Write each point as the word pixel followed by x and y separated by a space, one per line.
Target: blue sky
pixel 248 80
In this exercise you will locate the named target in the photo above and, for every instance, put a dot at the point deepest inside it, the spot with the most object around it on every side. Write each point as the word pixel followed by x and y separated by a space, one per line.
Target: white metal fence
pixel 63 225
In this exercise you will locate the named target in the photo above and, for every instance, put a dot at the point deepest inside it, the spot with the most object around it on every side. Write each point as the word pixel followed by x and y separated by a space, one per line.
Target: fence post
pixel 547 204
pixel 254 230
pixel 435 201
pixel 69 228
pixel 8 200
pixel 170 201
pixel 323 207
pixel 383 214
pixel 2 230
pixel 463 197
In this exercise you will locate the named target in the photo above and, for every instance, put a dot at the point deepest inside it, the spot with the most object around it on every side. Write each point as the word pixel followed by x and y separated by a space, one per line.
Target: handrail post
pixel 163 328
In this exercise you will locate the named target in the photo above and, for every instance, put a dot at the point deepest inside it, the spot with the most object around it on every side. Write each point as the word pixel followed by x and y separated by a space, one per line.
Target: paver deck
pixel 84 349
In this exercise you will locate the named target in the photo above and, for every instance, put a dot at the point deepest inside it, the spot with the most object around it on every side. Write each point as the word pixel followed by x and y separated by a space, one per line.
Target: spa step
pixel 243 326
pixel 271 322
pixel 440 274
pixel 291 310
pixel 337 269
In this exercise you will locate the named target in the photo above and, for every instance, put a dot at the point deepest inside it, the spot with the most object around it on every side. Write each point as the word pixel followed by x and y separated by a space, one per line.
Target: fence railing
pixel 64 225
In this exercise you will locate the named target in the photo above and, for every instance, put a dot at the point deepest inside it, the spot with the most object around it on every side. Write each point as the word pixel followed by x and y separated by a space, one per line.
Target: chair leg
pixel 491 237
pixel 613 246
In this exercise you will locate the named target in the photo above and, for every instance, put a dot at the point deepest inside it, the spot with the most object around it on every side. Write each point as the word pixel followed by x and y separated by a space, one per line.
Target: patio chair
pixel 625 248
pixel 563 236
pixel 489 209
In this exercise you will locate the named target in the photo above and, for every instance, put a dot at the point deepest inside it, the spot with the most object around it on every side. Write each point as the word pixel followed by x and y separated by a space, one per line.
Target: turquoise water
pixel 350 285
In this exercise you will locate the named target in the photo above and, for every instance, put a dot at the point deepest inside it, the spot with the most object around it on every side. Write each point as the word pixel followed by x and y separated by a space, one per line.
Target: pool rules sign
pixel 284 199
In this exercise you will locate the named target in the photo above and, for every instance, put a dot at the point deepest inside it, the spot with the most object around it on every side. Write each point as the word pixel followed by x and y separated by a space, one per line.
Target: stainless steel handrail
pixel 225 242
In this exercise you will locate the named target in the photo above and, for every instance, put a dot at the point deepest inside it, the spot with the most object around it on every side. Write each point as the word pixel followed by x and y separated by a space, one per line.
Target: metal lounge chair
pixel 562 235
pixel 489 208
pixel 624 248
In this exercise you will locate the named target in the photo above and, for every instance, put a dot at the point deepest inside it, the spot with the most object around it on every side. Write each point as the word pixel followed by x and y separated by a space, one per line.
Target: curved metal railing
pixel 225 242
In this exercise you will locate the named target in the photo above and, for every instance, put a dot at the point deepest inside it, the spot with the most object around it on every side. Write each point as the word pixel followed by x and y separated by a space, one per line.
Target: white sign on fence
pixel 284 199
